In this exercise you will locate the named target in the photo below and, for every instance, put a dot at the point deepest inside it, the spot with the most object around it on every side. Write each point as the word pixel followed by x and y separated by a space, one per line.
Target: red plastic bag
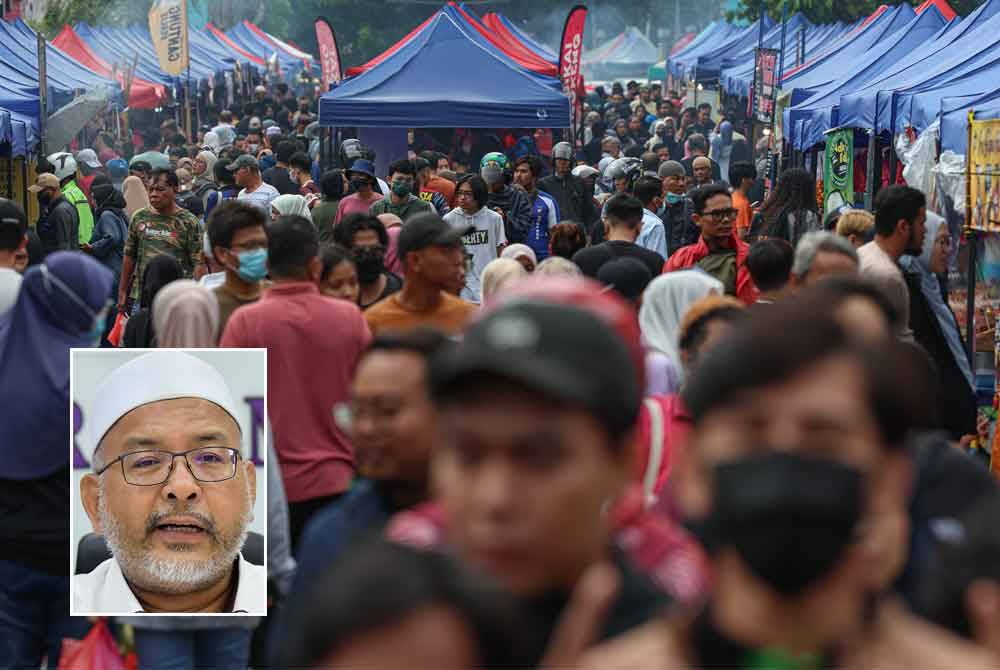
pixel 115 336
pixel 97 651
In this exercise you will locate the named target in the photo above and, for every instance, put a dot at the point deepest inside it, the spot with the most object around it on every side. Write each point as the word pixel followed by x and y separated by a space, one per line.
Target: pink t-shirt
pixel 353 204
pixel 313 345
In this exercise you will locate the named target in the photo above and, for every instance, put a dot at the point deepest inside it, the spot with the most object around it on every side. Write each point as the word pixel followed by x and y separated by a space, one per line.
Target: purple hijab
pixel 35 338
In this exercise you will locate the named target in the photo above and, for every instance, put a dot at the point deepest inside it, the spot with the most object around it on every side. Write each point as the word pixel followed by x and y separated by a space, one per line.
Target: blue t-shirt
pixel 544 215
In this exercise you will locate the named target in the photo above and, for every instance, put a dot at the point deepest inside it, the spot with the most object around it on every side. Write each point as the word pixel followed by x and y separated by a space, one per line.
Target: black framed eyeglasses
pixel 722 214
pixel 152 467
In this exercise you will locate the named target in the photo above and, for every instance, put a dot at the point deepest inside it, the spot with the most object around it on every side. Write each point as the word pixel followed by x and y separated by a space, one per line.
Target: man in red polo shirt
pixel 313 345
pixel 719 251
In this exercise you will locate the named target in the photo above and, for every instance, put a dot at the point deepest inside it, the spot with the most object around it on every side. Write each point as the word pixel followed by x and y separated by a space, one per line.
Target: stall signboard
pixel 838 169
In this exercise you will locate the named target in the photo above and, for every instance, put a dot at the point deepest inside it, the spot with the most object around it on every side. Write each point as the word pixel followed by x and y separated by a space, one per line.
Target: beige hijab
pixel 185 315
pixel 499 275
pixel 135 194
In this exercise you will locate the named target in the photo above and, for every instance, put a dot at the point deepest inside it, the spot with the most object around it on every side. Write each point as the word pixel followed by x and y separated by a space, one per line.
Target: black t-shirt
pixel 393 284
pixel 278 178
pixel 592 258
pixel 35 531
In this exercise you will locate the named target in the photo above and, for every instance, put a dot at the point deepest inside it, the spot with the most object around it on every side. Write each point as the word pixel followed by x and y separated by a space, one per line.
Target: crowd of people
pixel 598 406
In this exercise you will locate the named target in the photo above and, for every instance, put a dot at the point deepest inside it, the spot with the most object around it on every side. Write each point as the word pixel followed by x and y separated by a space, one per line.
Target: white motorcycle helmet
pixel 63 164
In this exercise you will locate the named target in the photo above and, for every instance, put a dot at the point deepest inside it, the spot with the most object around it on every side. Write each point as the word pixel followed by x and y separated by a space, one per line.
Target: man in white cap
pixel 170 492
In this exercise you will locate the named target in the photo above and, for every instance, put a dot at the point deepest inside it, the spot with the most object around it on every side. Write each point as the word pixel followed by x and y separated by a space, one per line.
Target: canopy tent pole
pixel 187 104
pixel 43 92
pixel 870 176
pixel 973 238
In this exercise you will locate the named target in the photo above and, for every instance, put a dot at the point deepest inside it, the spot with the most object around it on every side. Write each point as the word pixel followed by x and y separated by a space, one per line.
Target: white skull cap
pixel 152 377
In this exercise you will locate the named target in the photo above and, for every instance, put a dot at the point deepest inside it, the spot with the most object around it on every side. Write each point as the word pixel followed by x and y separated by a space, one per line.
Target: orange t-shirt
pixel 745 215
pixel 389 316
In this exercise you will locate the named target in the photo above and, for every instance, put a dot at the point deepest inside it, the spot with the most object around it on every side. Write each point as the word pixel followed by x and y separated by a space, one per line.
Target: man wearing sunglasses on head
pixel 719 251
pixel 171 493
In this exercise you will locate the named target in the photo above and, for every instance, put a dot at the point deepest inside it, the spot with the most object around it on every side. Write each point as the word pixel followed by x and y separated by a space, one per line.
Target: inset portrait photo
pixel 168 512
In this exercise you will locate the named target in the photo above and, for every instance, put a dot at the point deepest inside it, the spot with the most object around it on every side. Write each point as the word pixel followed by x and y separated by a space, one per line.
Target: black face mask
pixel 789 517
pixel 370 263
pixel 358 184
pixel 44 199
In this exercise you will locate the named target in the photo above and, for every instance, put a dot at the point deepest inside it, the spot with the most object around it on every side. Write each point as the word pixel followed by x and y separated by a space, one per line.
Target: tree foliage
pixel 829 11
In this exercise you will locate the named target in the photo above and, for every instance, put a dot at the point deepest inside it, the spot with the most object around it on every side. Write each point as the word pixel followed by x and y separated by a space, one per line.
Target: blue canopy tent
pixel 136 39
pixel 444 78
pixel 954 117
pixel 65 77
pixel 709 66
pixel 112 49
pixel 865 108
pixel 249 41
pixel 819 112
pixel 738 79
pixel 828 67
pixel 18 131
pixel 715 34
pixel 688 64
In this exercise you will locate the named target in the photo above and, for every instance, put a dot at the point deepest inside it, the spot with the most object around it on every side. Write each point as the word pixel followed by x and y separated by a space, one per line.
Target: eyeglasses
pixel 152 467
pixel 722 214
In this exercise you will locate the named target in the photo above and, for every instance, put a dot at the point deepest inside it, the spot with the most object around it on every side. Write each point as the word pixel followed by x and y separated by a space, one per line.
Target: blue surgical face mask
pixel 253 265
pixel 674 198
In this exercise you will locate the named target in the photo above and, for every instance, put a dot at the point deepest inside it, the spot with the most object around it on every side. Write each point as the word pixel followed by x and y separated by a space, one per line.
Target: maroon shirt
pixel 313 345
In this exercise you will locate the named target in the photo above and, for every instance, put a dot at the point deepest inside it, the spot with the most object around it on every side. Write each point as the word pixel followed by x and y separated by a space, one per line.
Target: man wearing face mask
pixel 368 239
pixel 59 226
pixel 510 203
pixel 796 481
pixel 400 200
pixel 237 235
pixel 678 209
pixel 364 192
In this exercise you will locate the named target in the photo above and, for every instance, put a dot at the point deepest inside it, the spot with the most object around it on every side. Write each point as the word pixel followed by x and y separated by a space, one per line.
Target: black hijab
pixel 162 270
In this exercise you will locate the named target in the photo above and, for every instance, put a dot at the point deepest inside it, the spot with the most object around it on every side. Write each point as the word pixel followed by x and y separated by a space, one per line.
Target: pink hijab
pixel 393 226
pixel 185 315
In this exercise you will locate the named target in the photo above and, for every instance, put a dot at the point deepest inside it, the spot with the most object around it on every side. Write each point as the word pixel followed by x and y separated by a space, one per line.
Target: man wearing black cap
pixel 535 439
pixel 246 173
pixel 575 200
pixel 433 259
pixel 278 176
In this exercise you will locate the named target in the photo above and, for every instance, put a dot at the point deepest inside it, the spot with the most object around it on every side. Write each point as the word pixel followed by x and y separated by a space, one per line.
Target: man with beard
pixel 900 214
pixel 175 527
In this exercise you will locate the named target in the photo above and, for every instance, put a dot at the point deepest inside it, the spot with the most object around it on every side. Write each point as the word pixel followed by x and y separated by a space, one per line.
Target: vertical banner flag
pixel 570 51
pixel 168 26
pixel 984 175
pixel 838 169
pixel 329 53
pixel 765 89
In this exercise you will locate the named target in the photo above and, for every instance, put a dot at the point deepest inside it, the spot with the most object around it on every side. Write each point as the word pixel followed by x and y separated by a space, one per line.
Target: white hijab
pixel 291 205
pixel 664 304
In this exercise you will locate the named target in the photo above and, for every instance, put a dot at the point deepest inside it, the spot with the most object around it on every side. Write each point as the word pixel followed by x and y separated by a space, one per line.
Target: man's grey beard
pixel 174 576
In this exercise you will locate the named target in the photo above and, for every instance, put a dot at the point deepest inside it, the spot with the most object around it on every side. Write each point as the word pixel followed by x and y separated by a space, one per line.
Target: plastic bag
pixel 115 336
pixel 97 651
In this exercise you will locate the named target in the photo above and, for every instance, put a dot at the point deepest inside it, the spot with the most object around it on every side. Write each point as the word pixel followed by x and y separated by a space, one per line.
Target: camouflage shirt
pixel 151 234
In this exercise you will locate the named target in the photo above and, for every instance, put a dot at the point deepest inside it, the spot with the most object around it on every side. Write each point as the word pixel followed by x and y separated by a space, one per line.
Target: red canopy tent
pixel 228 43
pixel 143 95
pixel 516 51
pixel 942 5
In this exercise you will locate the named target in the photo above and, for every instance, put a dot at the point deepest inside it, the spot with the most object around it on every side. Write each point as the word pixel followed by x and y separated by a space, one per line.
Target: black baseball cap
pixel 428 230
pixel 560 351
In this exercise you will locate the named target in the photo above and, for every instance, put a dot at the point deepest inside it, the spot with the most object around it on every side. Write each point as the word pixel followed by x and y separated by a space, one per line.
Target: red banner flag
pixel 329 53
pixel 570 52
